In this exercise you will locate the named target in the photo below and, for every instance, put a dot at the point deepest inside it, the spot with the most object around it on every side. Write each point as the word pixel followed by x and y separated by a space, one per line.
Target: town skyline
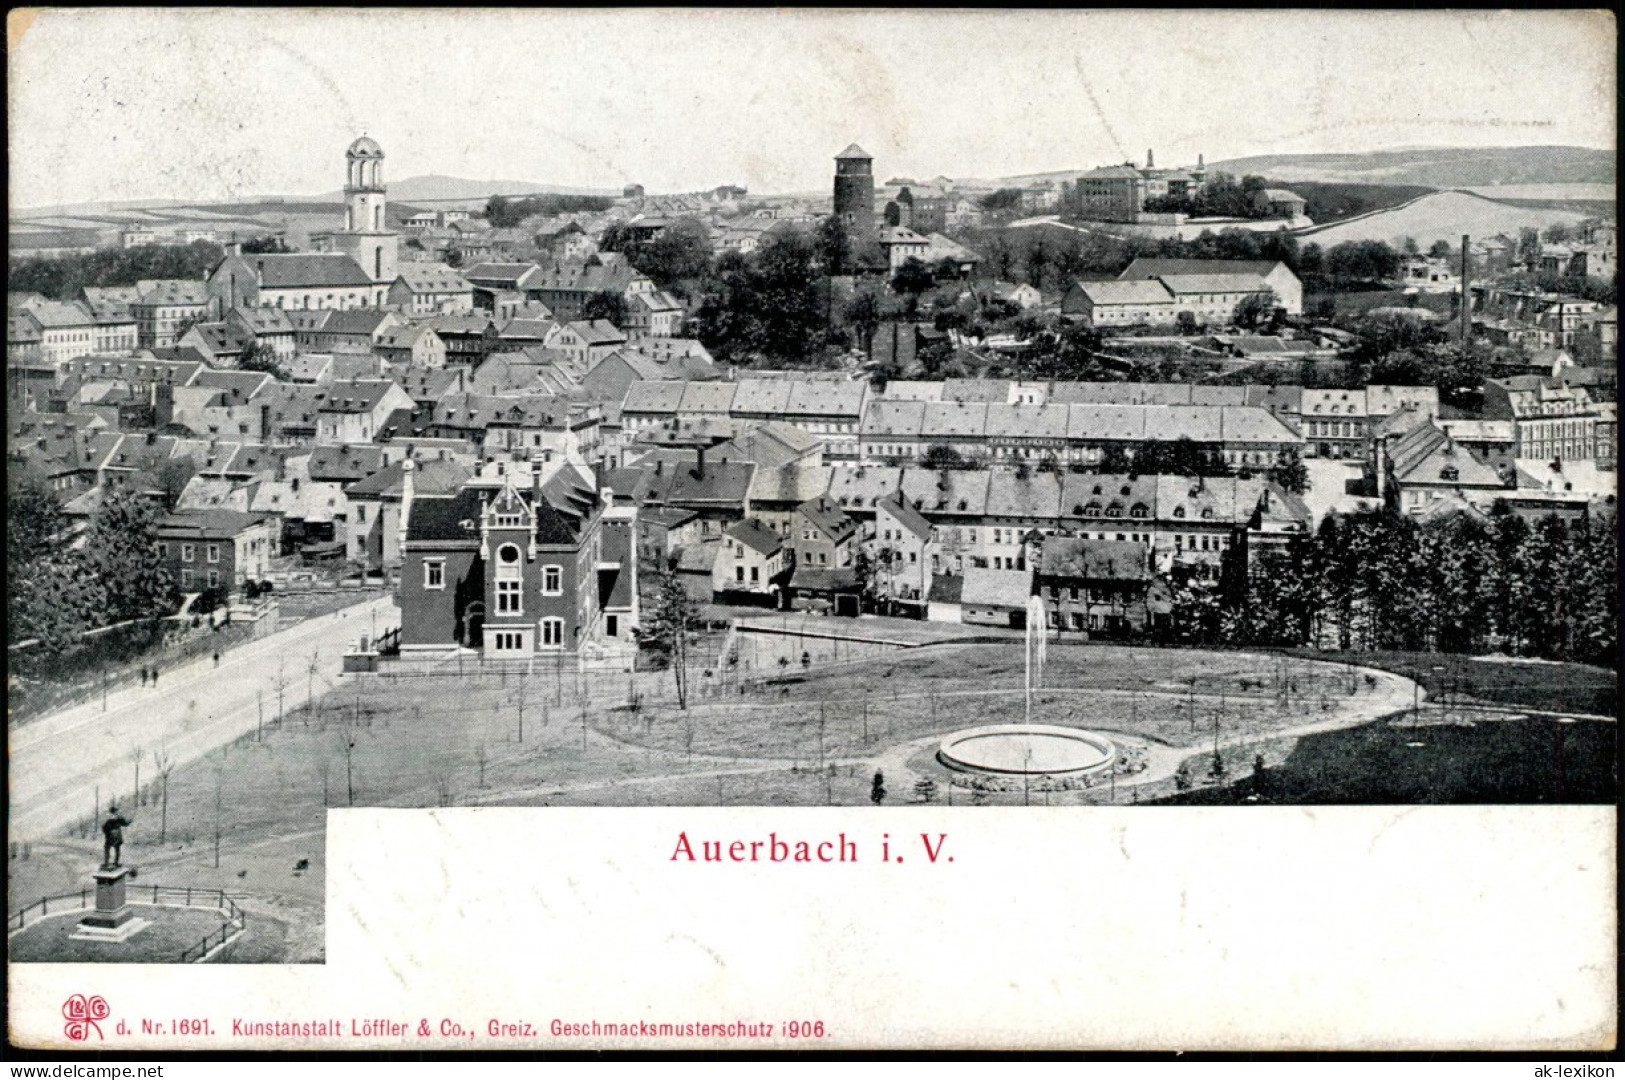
pixel 873 78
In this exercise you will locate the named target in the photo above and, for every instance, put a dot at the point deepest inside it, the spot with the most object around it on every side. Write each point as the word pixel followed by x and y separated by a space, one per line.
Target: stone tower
pixel 855 191
pixel 366 236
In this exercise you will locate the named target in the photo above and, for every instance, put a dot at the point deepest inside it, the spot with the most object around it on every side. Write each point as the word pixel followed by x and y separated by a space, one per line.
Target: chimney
pixel 1150 162
pixel 699 468
pixel 1200 163
pixel 295 483
pixel 408 467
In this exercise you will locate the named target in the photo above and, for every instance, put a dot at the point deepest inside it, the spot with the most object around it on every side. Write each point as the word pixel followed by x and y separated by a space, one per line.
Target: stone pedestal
pixel 113 919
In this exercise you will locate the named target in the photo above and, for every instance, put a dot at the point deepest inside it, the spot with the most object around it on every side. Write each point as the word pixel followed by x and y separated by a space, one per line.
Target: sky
pixel 109 105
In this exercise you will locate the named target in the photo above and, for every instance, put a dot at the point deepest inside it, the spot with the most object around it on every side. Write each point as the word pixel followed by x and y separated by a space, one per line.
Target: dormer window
pixel 1207 513
pixel 1179 511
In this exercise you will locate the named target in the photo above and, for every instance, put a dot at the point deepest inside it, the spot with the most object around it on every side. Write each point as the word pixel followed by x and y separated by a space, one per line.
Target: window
pixel 739 573
pixel 434 574
pixel 612 624
pixel 186 579
pixel 187 551
pixel 214 552
pixel 755 574
pixel 214 578
pixel 552 632
pixel 552 581
pixel 361 511
pixel 163 551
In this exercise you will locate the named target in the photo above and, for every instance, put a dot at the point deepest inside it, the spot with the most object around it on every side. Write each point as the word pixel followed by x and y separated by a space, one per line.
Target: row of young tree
pixel 1459 583
pixel 56 591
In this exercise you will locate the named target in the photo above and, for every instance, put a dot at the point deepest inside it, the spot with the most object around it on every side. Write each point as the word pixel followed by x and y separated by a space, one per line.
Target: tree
pixel 679 254
pixel 171 478
pixel 122 550
pixel 835 246
pixel 940 456
pixel 1440 249
pixel 259 356
pixel 667 629
pixel 1256 309
pixel 454 258
pixel 1038 260
pixel 1006 198
pixel 1290 472
pixel 605 304
pixel 52 597
pixel 265 245
pixel 912 280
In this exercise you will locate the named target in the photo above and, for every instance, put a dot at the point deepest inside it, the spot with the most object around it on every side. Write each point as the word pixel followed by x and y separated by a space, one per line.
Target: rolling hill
pixel 1437 167
pixel 437 189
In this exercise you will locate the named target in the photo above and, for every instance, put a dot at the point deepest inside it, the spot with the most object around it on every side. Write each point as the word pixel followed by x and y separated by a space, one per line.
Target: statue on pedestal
pixel 113 837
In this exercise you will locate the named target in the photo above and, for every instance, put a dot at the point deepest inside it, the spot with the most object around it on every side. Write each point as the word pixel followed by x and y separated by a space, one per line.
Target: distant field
pixel 1603 193
pixel 1443 216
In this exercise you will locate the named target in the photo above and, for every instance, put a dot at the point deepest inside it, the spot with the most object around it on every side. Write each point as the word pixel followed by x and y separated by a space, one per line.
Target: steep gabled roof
pixel 756 535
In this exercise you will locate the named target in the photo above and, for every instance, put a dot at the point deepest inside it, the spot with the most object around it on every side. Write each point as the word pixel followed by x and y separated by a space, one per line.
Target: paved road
pixel 58 762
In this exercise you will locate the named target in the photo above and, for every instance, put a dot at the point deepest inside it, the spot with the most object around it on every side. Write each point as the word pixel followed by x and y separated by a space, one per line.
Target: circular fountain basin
pixel 1027 750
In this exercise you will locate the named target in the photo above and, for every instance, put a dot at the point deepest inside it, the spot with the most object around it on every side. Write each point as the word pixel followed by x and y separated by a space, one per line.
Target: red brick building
pixel 531 562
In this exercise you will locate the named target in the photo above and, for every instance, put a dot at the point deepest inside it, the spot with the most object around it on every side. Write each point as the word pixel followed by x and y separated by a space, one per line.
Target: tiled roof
pixel 956 419
pixel 828 399
pixel 244 384
pixel 207 524
pixel 343 464
pixel 1105 293
pixel 1026 421
pixel 996 588
pixel 172 292
pixel 948 492
pixel 828 516
pixel 861 487
pixel 428 478
pixel 988 390
pixel 1151 268
pixel 704 397
pixel 598 332
pixel 356 322
pixel 1091 495
pixel 1213 283
pixel 1092 560
pixel 1037 496
pixel 906 516
pixel 653 397
pixel 792 484
pixel 761 397
pixel 1114 423
pixel 756 535
pixel 307 271
pixel 54 315
pixel 432 278
pixel 356 397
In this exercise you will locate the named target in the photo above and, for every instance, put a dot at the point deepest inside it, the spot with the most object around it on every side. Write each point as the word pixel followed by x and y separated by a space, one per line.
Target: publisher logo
pixel 82 1014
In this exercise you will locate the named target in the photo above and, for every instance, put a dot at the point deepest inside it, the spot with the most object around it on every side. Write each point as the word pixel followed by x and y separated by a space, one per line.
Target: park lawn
pixel 1530 684
pixel 1392 761
pixel 173 930
pixel 852 710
